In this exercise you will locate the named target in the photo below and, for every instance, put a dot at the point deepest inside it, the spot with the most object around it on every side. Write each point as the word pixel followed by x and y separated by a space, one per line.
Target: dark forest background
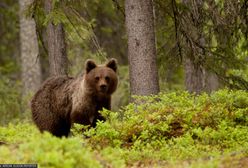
pixel 200 46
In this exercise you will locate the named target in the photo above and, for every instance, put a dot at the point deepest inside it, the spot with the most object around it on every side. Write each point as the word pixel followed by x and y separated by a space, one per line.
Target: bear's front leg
pixel 98 117
pixel 81 117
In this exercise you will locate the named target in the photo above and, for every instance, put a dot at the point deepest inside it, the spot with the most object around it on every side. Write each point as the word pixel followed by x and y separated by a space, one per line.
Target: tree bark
pixel 30 63
pixel 212 83
pixel 197 78
pixel 56 46
pixel 143 70
pixel 194 76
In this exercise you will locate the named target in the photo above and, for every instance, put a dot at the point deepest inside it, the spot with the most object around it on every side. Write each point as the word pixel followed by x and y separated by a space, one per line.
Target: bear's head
pixel 101 79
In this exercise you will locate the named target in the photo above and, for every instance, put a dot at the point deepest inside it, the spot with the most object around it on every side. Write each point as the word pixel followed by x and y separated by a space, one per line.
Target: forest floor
pixel 178 131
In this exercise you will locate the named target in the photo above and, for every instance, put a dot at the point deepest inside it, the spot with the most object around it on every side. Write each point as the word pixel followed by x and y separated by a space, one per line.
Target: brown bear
pixel 62 100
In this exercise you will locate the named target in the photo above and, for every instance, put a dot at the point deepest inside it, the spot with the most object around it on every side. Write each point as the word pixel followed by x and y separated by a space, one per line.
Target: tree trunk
pixel 212 83
pixel 56 46
pixel 143 70
pixel 197 77
pixel 194 76
pixel 30 63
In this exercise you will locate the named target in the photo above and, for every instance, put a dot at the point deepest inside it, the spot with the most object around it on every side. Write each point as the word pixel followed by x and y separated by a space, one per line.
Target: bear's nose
pixel 103 87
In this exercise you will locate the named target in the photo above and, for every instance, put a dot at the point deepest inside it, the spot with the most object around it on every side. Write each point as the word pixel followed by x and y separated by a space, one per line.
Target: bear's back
pixel 46 103
pixel 49 87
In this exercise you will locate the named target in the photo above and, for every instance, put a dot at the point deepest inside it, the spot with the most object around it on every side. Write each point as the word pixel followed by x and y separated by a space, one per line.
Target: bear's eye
pixel 97 78
pixel 107 78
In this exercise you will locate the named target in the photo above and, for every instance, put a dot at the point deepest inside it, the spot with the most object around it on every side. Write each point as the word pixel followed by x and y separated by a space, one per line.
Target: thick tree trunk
pixel 56 46
pixel 141 47
pixel 30 63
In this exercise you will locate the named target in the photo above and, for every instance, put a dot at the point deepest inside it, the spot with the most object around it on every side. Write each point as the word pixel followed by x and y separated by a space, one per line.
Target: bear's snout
pixel 103 88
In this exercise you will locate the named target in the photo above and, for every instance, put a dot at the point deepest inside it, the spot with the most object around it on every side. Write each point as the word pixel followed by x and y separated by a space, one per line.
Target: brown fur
pixel 62 100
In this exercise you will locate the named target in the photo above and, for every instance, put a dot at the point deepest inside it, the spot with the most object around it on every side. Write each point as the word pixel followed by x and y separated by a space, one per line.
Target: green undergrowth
pixel 174 129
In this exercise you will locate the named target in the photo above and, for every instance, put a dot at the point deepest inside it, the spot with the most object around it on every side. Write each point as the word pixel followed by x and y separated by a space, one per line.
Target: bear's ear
pixel 112 64
pixel 90 64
